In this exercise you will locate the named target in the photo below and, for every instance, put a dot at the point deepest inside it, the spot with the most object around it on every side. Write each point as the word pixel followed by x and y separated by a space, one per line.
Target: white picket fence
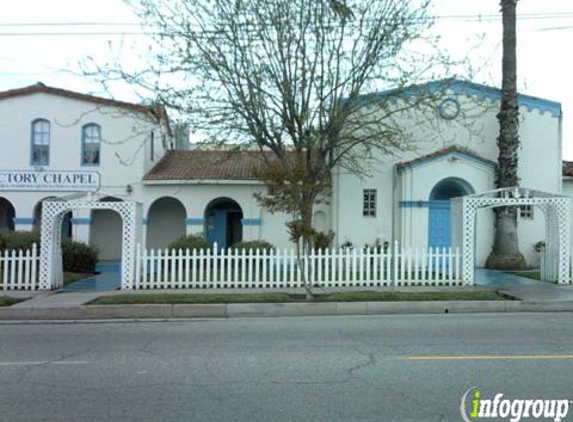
pixel 242 269
pixel 19 269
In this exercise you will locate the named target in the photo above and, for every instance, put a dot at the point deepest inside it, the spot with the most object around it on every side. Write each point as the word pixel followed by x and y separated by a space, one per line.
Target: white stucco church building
pixel 55 142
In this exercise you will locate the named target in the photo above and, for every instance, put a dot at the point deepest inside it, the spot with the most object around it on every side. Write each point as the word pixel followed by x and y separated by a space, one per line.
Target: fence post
pixel 395 267
pixel 214 264
pixel 137 280
pixel 34 267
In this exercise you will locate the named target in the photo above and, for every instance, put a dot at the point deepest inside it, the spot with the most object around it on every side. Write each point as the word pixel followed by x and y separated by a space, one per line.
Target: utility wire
pixel 22 33
pixel 473 17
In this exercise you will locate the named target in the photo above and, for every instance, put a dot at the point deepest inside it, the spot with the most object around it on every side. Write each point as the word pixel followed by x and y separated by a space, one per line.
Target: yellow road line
pixel 490 357
pixel 33 363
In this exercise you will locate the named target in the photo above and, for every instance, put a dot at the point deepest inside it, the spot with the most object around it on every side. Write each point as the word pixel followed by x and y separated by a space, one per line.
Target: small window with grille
pixel 369 203
pixel 526 212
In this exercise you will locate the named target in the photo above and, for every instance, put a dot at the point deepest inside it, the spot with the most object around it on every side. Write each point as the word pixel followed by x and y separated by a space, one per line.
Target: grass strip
pixel 70 277
pixel 175 298
pixel 9 301
pixel 360 296
pixel 368 296
pixel 534 275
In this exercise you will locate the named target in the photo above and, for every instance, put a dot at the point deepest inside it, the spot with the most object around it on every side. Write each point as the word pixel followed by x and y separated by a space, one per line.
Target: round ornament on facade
pixel 449 109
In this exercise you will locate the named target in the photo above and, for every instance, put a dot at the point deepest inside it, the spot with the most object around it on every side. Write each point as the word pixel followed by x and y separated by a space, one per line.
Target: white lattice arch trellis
pixel 53 211
pixel 556 209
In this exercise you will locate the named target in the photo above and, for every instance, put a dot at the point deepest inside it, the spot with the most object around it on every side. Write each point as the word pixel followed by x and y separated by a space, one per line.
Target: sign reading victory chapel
pixel 66 181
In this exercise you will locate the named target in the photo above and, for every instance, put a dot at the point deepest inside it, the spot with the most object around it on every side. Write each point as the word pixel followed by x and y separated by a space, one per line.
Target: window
pixel 152 146
pixel 369 203
pixel 40 142
pixel 91 142
pixel 526 212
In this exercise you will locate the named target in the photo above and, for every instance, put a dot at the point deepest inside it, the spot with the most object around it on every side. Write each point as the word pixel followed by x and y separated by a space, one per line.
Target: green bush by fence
pixel 192 241
pixel 76 256
pixel 261 245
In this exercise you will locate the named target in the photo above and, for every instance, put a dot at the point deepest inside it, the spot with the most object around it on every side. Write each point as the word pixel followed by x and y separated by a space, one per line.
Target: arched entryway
pixel 51 275
pixel 557 212
pixel 165 222
pixel 105 232
pixel 223 222
pixel 7 214
pixel 66 221
pixel 439 221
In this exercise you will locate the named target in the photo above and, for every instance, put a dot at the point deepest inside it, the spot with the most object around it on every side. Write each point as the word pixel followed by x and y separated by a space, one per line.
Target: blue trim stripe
pixel 81 221
pixel 24 220
pixel 145 221
pixel 251 221
pixel 425 204
pixel 414 204
pixel 195 221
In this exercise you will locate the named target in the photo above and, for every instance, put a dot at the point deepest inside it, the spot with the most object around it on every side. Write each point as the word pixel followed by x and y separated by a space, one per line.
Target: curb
pixel 236 310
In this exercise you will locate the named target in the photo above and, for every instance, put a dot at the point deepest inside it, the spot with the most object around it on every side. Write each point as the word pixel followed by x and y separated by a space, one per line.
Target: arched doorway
pixel 223 222
pixel 165 222
pixel 7 214
pixel 105 232
pixel 439 222
pixel 66 222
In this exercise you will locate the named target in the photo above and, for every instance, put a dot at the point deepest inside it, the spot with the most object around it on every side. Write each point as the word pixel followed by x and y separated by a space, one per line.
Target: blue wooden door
pixel 217 229
pixel 439 224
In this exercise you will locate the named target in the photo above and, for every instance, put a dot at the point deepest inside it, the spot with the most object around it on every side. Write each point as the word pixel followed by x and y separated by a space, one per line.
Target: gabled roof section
pixel 450 151
pixel 473 89
pixel 156 111
pixel 207 165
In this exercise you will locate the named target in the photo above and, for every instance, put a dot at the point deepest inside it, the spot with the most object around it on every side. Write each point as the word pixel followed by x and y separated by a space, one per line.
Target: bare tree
pixel 505 253
pixel 289 78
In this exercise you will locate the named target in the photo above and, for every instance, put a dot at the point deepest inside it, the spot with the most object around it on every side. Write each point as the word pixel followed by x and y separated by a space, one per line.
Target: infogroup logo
pixel 475 407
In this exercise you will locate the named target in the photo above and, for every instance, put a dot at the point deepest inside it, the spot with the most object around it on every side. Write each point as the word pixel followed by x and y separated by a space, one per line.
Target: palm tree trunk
pixel 505 253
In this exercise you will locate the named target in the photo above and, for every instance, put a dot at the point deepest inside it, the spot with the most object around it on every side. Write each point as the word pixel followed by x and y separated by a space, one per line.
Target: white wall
pixel 196 197
pixel 126 157
pixel 124 153
pixel 424 132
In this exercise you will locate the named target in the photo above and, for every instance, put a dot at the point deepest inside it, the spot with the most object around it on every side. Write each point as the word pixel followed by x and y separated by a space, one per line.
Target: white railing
pixel 19 269
pixel 244 269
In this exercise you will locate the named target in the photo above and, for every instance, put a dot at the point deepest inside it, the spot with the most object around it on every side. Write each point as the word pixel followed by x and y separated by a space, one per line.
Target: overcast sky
pixel 28 54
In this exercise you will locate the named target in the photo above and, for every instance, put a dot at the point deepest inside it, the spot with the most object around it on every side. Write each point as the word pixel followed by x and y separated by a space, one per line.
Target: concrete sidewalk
pixel 536 297
pixel 168 311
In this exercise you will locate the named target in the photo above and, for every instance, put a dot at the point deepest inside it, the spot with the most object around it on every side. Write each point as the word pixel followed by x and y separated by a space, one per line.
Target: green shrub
pixel 322 240
pixel 192 241
pixel 19 240
pixel 78 257
pixel 261 245
pixel 347 244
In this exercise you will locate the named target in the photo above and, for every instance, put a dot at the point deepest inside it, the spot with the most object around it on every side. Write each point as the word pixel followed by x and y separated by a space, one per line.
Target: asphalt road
pixel 386 368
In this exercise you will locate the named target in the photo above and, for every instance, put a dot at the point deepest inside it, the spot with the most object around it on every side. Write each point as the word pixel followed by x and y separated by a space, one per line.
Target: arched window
pixel 91 144
pixel 40 142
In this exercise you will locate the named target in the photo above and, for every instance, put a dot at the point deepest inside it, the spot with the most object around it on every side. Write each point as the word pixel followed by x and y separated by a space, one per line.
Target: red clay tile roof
pixel 568 168
pixel 443 152
pixel 158 112
pixel 206 165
